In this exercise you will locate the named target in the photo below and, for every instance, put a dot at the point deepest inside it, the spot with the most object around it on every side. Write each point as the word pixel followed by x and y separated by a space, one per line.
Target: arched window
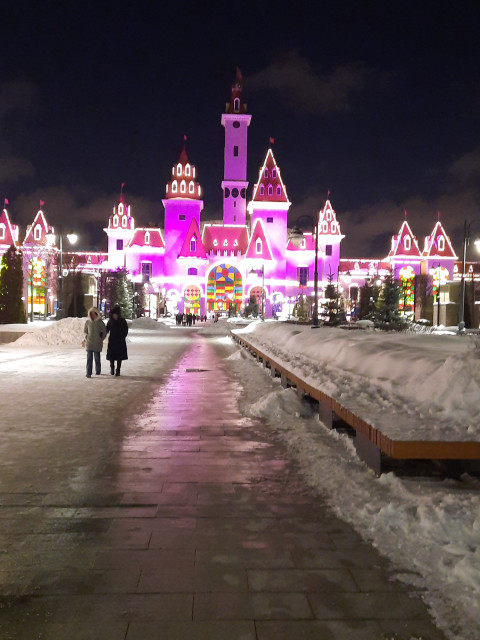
pixel 236 105
pixel 193 172
pixel 303 243
pixel 187 169
pixel 37 234
pixel 115 220
pixel 225 243
pixel 147 237
pixel 324 227
pixel 441 243
pixel 124 221
pixel 179 169
pixel 258 246
pixel 274 172
pixel 120 209
pixel 174 186
pixel 183 187
pixel 215 242
pixel 262 190
pixel 173 171
pixel 407 243
pixel 279 190
pixel 2 231
pixel 265 173
pixel 191 188
pixel 199 191
pixel 193 244
pixel 270 190
pixel 192 271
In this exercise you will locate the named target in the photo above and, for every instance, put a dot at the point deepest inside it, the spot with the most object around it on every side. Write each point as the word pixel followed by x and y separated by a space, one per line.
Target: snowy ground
pixel 428 527
pixel 410 386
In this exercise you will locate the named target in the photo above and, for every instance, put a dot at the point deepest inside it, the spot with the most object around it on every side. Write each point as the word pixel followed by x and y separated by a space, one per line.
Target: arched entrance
pixel 224 289
pixel 191 300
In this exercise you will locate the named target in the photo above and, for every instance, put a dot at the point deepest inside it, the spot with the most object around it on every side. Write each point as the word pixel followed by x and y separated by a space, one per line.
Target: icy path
pixel 175 518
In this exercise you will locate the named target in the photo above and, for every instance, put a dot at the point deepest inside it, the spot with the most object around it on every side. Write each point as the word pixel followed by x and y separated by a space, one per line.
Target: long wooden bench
pixel 370 442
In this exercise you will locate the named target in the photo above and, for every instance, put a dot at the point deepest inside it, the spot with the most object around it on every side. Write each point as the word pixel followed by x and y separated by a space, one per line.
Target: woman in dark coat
pixel 117 330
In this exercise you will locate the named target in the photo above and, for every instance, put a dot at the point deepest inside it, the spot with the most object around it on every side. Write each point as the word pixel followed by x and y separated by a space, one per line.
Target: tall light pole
pixel 296 236
pixel 72 238
pixel 466 240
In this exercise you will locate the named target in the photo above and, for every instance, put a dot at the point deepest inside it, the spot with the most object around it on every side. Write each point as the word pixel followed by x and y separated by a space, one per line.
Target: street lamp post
pixel 466 240
pixel 296 237
pixel 72 238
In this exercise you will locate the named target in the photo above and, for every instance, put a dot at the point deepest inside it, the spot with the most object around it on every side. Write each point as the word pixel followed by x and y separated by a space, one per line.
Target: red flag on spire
pixel 5 202
pixel 41 203
pixel 184 137
pixel 123 184
pixel 438 215
pixel 328 193
pixel 405 214
pixel 272 140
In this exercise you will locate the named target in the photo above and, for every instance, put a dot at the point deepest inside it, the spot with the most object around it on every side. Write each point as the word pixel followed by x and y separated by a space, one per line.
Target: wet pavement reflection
pixel 199 528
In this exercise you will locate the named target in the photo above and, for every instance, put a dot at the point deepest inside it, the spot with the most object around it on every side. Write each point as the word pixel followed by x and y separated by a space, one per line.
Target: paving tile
pixel 307 580
pixel 301 630
pixel 258 606
pixel 228 630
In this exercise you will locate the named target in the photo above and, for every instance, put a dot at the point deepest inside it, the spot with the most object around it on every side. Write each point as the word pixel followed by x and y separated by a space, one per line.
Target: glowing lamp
pixel 72 238
pixel 477 244
pixel 347 278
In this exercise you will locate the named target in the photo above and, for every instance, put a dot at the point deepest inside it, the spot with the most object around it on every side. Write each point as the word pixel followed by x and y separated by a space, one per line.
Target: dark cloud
pixel 13 168
pixel 77 209
pixel 466 168
pixel 303 88
pixel 17 96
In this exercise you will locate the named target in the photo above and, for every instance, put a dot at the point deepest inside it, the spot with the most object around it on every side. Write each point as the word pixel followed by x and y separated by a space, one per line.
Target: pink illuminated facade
pixel 204 267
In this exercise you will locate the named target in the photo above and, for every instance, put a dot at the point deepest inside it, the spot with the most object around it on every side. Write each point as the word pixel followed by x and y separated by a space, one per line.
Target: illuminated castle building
pixel 192 266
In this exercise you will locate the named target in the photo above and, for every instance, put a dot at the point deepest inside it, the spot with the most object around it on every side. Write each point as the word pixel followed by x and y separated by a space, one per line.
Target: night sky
pixel 378 102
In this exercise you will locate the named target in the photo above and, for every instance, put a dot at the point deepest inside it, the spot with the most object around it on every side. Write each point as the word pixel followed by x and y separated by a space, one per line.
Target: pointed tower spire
pixel 236 104
pixel 183 183
pixel 235 120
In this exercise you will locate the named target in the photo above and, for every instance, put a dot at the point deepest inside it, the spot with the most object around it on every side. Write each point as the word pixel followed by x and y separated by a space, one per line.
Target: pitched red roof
pixel 147 237
pixel 327 220
pixel 404 243
pixel 270 187
pixel 258 234
pixel 8 231
pixel 438 245
pixel 225 238
pixel 183 183
pixel 39 222
pixel 186 250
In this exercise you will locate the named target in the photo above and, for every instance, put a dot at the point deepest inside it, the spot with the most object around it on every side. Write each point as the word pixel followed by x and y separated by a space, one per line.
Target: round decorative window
pixel 243 193
pixel 227 193
pixel 235 193
pixel 236 124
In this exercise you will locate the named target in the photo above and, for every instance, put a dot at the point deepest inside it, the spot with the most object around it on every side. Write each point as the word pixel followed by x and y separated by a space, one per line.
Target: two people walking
pixel 95 334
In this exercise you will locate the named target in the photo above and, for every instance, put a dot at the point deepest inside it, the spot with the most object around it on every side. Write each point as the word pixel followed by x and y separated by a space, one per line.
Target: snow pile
pixel 144 323
pixel 428 528
pixel 68 331
pixel 400 382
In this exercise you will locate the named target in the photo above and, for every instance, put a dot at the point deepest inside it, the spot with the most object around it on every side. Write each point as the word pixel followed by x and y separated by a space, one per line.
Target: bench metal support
pixel 369 453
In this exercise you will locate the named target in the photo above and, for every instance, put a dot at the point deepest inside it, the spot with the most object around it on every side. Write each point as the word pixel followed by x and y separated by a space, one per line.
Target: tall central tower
pixel 234 184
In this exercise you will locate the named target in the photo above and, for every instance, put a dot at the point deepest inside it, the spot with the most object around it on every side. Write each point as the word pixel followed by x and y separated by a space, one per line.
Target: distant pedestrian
pixel 95 333
pixel 117 330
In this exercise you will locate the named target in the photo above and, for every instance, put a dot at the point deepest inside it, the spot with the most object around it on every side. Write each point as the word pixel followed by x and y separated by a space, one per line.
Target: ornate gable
pixel 192 245
pixel 258 247
pixel 270 187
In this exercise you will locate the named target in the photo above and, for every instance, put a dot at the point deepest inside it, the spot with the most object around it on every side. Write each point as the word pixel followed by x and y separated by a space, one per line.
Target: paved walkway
pixel 201 529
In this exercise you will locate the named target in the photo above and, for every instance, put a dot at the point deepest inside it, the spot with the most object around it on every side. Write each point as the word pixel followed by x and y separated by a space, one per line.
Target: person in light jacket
pixel 95 332
pixel 117 329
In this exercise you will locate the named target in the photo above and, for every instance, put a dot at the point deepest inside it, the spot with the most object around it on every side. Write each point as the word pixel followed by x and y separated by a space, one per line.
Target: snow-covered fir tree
pixel 12 309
